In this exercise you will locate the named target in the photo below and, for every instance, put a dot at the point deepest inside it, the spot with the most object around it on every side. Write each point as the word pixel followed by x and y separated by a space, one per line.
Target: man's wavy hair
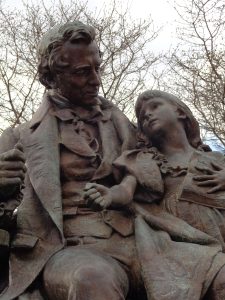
pixel 191 125
pixel 48 50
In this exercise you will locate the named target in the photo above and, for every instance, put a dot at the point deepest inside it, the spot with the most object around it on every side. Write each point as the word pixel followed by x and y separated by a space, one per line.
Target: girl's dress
pixel 179 227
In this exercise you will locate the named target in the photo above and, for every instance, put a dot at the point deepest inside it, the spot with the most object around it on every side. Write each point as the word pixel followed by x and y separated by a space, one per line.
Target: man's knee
pixel 94 275
pixel 97 281
pixel 86 275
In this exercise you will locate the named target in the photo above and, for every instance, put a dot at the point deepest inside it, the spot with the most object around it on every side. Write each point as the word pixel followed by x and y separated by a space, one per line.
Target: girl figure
pixel 176 188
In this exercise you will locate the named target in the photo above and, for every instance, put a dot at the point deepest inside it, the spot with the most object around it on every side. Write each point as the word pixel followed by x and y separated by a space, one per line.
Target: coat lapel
pixel 110 148
pixel 42 153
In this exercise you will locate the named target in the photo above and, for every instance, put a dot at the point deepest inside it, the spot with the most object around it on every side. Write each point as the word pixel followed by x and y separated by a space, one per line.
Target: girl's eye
pixel 155 105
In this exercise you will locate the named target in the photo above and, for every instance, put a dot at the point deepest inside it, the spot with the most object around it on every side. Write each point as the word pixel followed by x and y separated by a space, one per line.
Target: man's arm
pixel 12 172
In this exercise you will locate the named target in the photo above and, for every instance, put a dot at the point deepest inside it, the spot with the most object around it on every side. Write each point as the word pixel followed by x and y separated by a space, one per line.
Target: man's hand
pixel 97 196
pixel 214 177
pixel 12 170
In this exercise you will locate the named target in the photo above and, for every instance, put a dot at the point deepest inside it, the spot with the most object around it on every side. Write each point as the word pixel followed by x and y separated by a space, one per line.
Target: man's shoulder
pixel 14 132
pixel 125 129
pixel 106 104
pixel 115 113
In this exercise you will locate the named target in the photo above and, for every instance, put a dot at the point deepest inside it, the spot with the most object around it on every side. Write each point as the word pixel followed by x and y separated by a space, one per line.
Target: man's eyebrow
pixel 81 67
pixel 84 66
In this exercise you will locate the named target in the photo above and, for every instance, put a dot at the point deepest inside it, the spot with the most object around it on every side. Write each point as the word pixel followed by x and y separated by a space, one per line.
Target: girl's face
pixel 157 115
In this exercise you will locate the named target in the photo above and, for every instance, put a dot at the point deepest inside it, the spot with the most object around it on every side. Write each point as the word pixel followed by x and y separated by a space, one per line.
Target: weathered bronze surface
pixel 96 216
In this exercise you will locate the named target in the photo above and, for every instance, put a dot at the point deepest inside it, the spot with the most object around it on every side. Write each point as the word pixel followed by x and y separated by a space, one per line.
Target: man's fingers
pixel 12 165
pixel 203 177
pixel 13 155
pixel 10 181
pixel 12 174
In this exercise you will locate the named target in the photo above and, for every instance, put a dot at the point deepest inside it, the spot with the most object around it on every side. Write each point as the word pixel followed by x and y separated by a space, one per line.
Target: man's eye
pixel 81 72
pixel 98 69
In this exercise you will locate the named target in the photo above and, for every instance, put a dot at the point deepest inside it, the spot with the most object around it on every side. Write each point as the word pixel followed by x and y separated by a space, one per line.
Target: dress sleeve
pixel 144 168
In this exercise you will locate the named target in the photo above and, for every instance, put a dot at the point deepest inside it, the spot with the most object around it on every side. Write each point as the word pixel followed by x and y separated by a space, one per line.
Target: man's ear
pixel 48 81
pixel 51 81
pixel 181 114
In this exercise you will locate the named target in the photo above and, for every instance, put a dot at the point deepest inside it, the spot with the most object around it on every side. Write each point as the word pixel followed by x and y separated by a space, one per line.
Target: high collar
pixel 58 106
pixel 66 113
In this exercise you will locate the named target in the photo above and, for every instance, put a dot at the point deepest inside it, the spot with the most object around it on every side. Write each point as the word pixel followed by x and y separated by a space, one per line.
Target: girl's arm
pixel 99 196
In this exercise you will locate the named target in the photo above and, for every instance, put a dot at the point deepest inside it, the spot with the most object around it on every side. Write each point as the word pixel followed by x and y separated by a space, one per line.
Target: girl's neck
pixel 174 145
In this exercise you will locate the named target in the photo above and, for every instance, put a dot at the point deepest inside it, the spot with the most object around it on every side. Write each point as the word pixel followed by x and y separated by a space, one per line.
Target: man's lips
pixel 151 121
pixel 92 94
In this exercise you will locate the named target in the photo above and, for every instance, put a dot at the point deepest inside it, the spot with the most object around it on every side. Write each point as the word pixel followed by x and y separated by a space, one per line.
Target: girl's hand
pixel 215 178
pixel 97 196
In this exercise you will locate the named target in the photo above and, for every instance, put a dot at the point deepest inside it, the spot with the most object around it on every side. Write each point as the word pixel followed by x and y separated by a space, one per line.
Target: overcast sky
pixel 163 15
pixel 162 12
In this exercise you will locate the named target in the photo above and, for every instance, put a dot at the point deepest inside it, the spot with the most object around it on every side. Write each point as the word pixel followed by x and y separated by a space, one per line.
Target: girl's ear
pixel 181 114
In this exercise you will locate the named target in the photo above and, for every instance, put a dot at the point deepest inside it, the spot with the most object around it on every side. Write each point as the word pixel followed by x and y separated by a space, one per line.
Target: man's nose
pixel 149 114
pixel 95 78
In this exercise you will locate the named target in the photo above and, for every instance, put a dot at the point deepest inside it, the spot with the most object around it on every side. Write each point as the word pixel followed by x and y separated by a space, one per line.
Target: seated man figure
pixel 60 248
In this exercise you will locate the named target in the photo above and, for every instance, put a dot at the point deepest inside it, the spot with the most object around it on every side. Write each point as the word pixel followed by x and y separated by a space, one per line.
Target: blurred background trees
pixel 196 67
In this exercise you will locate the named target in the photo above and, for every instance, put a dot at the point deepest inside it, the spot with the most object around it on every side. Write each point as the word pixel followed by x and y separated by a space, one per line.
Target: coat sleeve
pixel 8 140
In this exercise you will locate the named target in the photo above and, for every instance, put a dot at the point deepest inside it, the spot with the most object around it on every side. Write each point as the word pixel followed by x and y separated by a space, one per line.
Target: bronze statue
pixel 99 220
pixel 60 248
pixel 176 188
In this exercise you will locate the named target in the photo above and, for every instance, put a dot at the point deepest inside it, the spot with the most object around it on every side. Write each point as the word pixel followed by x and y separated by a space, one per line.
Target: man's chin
pixel 92 101
pixel 87 101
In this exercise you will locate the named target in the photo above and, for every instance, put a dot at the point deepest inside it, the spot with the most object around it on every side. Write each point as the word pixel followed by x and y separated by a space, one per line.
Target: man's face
pixel 80 81
pixel 157 116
